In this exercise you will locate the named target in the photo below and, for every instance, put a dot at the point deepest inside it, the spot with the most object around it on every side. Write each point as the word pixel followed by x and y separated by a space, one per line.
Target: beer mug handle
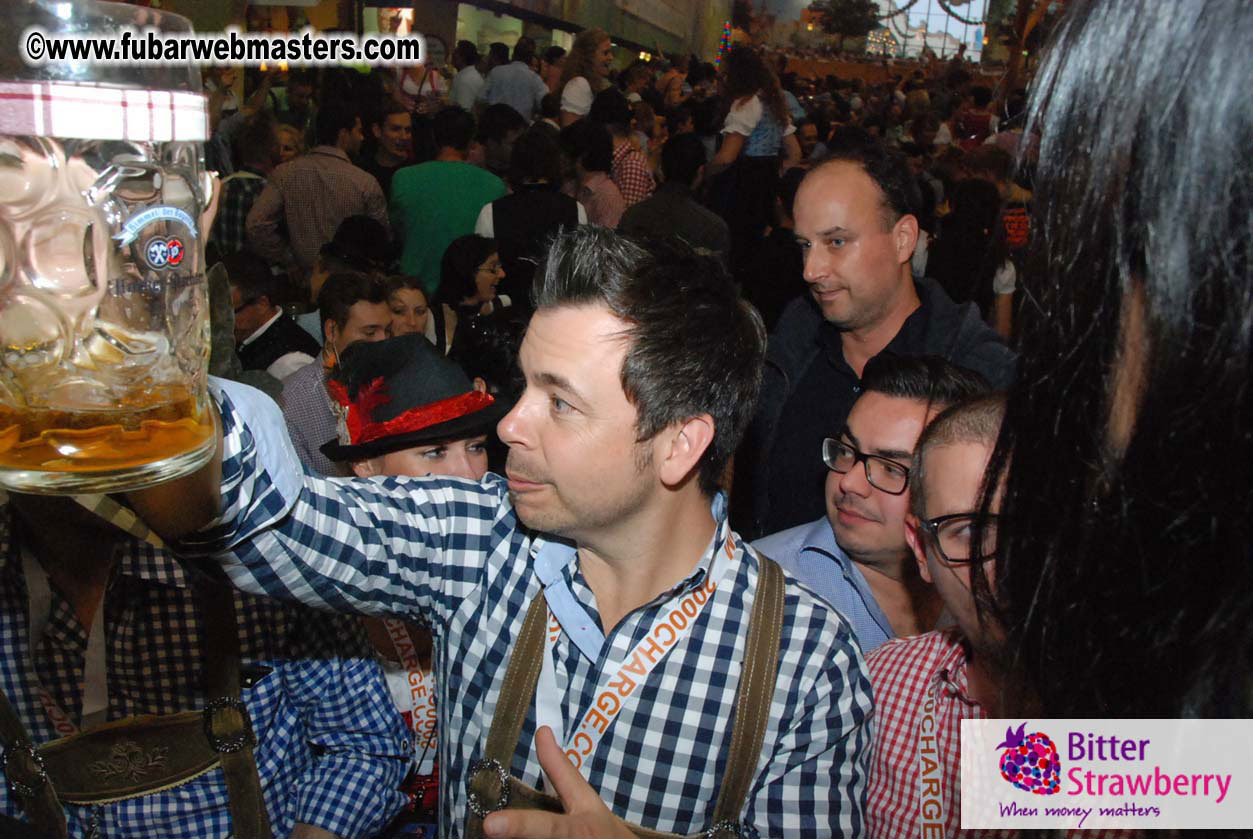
pixel 212 185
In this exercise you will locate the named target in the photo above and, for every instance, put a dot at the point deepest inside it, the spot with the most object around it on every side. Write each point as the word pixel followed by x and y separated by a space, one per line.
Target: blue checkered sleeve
pixel 366 546
pixel 352 788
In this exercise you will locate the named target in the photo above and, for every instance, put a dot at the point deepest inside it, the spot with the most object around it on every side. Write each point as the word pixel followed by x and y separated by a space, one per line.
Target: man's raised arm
pixel 364 546
pixel 184 505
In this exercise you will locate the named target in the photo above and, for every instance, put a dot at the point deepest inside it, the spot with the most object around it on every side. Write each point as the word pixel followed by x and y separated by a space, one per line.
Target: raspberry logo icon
pixel 1030 762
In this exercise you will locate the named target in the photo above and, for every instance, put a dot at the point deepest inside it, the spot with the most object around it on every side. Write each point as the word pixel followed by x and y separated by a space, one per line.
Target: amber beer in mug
pixel 104 329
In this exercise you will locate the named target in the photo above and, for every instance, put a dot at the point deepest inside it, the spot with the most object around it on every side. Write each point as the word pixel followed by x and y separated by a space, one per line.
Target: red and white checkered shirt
pixel 901 672
pixel 631 173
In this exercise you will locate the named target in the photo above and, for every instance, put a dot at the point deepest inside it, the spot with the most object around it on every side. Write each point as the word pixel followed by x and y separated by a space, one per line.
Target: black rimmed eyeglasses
pixel 954 536
pixel 890 476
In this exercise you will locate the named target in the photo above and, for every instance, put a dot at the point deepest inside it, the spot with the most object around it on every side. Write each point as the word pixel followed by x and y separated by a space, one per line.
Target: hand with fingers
pixel 586 816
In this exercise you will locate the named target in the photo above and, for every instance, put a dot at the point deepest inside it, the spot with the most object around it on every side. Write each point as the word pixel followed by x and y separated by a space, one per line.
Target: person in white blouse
pixel 586 73
pixel 758 142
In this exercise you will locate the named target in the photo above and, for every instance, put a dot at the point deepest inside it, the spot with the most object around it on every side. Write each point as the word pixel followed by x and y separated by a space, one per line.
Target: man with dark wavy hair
pixel 352 307
pixel 641 368
pixel 855 556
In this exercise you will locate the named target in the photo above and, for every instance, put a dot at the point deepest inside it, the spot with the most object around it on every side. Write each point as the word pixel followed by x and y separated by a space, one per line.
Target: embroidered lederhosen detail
pixel 142 755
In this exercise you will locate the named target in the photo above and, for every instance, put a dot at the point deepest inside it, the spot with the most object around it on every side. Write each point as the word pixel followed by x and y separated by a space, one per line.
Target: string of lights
pixel 724 44
pixel 881 42
pixel 902 9
pixel 949 11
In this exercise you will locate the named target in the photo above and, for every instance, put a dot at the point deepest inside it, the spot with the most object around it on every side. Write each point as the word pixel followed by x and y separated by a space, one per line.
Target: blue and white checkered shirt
pixel 453 552
pixel 330 747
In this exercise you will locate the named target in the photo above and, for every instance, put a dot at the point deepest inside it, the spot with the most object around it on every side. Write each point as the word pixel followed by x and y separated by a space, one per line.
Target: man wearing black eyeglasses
pixel 856 556
pixel 931 682
pixel 266 337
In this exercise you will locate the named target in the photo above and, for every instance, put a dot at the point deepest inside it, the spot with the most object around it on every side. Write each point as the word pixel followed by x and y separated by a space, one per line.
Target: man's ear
pixel 366 468
pixel 905 233
pixel 480 384
pixel 377 129
pixel 913 537
pixel 330 332
pixel 683 445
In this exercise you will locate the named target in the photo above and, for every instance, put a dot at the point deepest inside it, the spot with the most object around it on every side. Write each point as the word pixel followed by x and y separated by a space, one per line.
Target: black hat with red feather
pixel 401 393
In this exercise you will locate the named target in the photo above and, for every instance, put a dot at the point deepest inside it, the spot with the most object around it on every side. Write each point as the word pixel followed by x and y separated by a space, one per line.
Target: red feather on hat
pixel 360 410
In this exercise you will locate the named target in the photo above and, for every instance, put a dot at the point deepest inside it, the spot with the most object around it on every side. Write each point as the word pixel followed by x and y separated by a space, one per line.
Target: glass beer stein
pixel 104 329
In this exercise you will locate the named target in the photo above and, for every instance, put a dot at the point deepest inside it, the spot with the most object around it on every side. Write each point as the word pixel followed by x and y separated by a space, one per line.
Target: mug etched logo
pixel 133 225
pixel 163 253
pixel 157 252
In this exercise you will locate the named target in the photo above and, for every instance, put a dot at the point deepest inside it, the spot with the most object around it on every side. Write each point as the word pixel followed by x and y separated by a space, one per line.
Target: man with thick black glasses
pixel 936 680
pixel 856 556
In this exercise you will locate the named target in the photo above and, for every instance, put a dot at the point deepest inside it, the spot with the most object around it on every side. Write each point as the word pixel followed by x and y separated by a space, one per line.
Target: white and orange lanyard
pixel 620 681
pixel 930 769
pixel 420 687
pixel 95 687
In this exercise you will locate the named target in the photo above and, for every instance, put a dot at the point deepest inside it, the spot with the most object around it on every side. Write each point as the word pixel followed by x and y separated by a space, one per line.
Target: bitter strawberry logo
pixel 1030 762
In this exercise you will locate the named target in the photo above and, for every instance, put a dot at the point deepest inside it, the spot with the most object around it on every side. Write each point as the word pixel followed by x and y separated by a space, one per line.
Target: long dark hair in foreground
pixel 1125 570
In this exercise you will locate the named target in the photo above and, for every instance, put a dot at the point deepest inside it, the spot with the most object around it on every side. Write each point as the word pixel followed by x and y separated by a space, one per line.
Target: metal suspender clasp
pixel 24 768
pixel 227 733
pixel 480 796
pixel 724 830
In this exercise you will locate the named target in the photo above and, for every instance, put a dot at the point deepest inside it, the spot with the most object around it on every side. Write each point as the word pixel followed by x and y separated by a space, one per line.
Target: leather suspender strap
pixel 226 719
pixel 170 744
pixel 517 693
pixel 518 690
pixel 24 769
pixel 757 681
pixel 491 788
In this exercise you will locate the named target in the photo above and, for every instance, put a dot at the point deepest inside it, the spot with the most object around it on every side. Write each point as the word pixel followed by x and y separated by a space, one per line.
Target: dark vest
pixel 523 223
pixel 283 336
pixel 382 174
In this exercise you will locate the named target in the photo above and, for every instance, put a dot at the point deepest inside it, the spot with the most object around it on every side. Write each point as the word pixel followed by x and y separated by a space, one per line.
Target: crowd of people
pixel 652 449
pixel 516 145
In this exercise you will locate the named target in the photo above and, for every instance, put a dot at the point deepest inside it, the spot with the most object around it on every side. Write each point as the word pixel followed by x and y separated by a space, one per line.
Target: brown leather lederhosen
pixel 491 788
pixel 140 755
